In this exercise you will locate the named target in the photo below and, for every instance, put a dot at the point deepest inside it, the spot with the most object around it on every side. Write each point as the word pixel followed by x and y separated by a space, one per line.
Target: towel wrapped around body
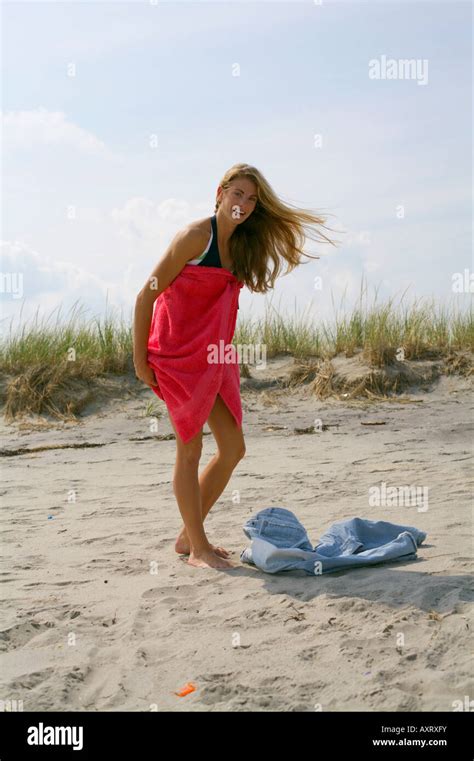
pixel 190 346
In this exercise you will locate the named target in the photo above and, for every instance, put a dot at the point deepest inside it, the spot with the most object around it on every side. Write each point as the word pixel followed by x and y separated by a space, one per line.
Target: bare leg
pixel 188 496
pixel 215 477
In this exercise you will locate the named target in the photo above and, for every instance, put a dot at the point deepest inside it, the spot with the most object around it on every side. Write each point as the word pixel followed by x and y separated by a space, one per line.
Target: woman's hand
pixel 146 374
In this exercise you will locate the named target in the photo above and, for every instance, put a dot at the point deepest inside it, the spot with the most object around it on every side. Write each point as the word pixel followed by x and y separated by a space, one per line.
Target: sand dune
pixel 100 613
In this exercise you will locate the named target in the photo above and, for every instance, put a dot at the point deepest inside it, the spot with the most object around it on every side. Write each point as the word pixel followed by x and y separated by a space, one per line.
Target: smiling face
pixel 238 200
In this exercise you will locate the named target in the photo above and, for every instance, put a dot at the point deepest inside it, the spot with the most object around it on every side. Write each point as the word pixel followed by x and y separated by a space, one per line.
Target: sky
pixel 120 118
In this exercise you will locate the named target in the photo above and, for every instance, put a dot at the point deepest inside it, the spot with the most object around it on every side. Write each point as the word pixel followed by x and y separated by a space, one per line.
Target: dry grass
pixel 57 369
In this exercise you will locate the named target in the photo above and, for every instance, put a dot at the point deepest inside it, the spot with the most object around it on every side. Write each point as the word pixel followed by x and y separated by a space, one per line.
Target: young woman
pixel 190 300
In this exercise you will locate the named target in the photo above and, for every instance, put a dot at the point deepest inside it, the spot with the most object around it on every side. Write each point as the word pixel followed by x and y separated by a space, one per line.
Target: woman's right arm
pixel 186 245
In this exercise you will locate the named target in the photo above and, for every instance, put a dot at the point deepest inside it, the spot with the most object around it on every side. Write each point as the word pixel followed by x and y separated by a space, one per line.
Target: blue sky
pixel 89 205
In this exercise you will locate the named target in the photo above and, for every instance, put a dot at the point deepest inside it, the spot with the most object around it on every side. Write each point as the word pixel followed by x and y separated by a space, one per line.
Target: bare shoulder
pixel 188 243
pixel 200 228
pixel 191 240
pixel 196 231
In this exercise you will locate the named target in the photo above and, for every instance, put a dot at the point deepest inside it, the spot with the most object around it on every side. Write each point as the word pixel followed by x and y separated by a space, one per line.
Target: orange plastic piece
pixel 188 687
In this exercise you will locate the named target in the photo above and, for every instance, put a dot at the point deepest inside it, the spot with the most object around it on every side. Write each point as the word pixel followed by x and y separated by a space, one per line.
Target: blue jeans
pixel 280 543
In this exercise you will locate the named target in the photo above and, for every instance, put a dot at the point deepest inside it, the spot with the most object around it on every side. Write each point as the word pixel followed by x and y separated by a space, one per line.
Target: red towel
pixel 196 312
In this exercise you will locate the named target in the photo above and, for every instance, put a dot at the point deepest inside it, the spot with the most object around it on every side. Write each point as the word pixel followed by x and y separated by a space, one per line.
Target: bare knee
pixel 189 454
pixel 231 456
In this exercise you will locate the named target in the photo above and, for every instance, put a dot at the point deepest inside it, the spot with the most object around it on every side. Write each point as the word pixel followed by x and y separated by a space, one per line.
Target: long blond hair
pixel 274 231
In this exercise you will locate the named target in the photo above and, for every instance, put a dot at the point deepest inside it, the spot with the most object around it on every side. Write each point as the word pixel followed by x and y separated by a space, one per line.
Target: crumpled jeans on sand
pixel 280 543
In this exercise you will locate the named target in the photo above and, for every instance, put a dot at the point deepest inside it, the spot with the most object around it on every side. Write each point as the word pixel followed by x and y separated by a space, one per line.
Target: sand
pixel 100 614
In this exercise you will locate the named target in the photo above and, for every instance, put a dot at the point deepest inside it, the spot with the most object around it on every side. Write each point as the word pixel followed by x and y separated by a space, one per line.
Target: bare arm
pixel 186 245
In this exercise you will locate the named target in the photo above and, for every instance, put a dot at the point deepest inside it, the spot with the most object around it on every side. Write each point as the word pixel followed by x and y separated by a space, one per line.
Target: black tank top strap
pixel 212 258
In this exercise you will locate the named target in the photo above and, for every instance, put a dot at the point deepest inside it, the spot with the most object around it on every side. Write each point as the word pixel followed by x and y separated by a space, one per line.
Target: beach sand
pixel 100 614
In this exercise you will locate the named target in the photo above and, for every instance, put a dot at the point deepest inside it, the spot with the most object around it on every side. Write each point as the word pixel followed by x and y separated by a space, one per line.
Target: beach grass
pixel 51 367
pixel 422 330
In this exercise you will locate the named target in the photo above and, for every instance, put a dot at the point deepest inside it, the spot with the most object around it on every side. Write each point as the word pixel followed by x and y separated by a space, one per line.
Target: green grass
pixel 98 346
pixel 105 345
pixel 422 330
pixel 43 365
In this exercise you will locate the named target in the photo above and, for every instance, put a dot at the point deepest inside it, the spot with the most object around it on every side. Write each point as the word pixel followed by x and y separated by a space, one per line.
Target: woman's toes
pixel 221 551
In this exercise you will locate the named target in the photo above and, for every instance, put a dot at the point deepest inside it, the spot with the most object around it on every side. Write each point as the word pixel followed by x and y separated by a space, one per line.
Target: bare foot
pixel 209 559
pixel 182 547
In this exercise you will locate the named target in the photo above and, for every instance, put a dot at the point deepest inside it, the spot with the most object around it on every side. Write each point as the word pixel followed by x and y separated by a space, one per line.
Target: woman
pixel 190 302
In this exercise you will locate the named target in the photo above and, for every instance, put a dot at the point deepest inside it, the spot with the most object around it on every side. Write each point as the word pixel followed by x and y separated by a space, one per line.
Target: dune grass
pixel 379 330
pixel 48 367
pixel 51 367
pixel 97 345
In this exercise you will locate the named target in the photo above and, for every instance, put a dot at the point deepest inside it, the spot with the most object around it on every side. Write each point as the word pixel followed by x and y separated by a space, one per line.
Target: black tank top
pixel 212 257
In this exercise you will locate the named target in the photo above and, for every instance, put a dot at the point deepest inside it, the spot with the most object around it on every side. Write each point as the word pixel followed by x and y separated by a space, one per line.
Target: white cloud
pixel 30 129
pixel 48 285
pixel 144 220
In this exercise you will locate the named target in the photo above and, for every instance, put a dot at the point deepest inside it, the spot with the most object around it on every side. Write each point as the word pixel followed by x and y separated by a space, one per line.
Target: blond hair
pixel 274 231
